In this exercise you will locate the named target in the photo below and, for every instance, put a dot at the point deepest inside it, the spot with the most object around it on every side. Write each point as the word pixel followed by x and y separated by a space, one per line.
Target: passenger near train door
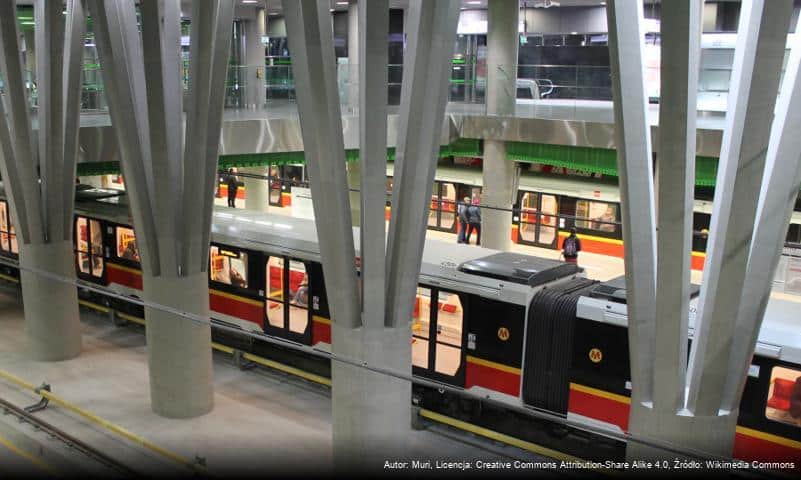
pixel 437 328
pixel 287 300
pixel 538 219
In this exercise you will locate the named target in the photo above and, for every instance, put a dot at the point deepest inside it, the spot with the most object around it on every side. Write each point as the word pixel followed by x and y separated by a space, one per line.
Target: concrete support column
pixel 354 183
pixel 499 173
pixel 353 56
pixel 52 322
pixel 254 59
pixel 178 349
pixel 371 411
pixel 257 190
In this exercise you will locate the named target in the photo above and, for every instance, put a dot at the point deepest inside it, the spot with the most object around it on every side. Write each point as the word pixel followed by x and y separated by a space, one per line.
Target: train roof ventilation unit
pixel 518 268
pixel 615 290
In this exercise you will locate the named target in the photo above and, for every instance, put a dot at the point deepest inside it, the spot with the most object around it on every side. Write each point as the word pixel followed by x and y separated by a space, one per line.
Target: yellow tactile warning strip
pixel 500 437
pixel 103 423
pixel 27 456
pixel 9 278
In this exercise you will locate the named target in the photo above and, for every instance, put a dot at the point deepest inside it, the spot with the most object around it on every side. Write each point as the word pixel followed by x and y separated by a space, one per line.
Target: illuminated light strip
pixel 123 268
pixel 600 393
pixel 503 438
pixel 496 366
pixel 322 320
pixel 769 437
pixel 27 456
pixel 231 296
pixel 131 318
pixel 287 369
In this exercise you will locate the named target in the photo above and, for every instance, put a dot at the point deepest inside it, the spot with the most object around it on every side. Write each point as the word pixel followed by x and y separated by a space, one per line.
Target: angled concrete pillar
pixel 755 77
pixel 633 140
pixel 257 190
pixel 354 184
pixel 39 177
pixel 782 181
pixel 371 411
pixel 662 419
pixel 498 172
pixel 170 173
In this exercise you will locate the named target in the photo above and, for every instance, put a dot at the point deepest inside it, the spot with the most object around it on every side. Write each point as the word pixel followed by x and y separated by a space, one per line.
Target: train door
pixel 89 248
pixel 442 213
pixel 286 311
pixel 538 219
pixel 276 186
pixel 437 336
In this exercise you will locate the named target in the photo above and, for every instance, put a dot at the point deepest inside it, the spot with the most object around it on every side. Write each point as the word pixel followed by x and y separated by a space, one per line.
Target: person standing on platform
pixel 474 221
pixel 233 185
pixel 461 214
pixel 571 246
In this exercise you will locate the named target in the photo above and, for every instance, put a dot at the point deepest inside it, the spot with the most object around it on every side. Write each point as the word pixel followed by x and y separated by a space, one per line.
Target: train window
pixel 89 246
pixel 432 212
pixel 298 297
pixel 528 216
pixel 229 266
pixel 275 292
pixel 4 235
pixel 449 333
pixel 592 215
pixel 784 396
pixel 421 322
pixel 447 205
pixel 126 244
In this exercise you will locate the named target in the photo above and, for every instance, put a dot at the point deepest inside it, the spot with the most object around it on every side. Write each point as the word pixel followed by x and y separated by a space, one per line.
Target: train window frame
pixel 231 254
pixel 585 221
pixel 116 250
pixel 91 252
pixel 286 301
pixel 8 234
pixel 775 401
pixel 433 344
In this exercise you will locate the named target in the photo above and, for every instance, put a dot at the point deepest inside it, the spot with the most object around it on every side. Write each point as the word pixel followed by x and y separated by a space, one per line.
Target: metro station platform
pixel 263 420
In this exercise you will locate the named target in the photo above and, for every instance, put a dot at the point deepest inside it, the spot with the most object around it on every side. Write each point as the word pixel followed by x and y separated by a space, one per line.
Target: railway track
pixel 27 416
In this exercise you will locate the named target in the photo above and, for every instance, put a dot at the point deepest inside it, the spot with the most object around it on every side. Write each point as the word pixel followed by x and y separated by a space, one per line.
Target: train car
pixel 519 331
pixel 549 205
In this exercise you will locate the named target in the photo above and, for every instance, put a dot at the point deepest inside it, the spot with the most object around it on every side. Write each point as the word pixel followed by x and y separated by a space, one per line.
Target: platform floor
pixel 263 421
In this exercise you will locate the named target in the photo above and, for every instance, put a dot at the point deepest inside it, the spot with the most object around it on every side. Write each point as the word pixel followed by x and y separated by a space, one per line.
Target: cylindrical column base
pixel 699 435
pixel 499 180
pixel 257 190
pixel 178 348
pixel 371 411
pixel 52 321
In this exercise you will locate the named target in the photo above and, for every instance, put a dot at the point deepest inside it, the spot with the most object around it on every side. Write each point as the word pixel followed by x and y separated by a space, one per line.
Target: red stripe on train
pixel 236 308
pixel 321 332
pixel 750 448
pixel 477 375
pixel 124 276
pixel 599 408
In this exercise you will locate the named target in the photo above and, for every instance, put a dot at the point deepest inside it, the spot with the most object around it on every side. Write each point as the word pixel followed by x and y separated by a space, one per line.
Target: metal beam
pixel 681 51
pixel 314 67
pixel 426 68
pixel 373 25
pixel 782 181
pixel 758 57
pixel 633 139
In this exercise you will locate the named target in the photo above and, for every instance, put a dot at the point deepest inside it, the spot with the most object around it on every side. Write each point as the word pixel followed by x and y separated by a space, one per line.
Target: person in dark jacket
pixel 233 185
pixel 461 213
pixel 473 221
pixel 571 246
